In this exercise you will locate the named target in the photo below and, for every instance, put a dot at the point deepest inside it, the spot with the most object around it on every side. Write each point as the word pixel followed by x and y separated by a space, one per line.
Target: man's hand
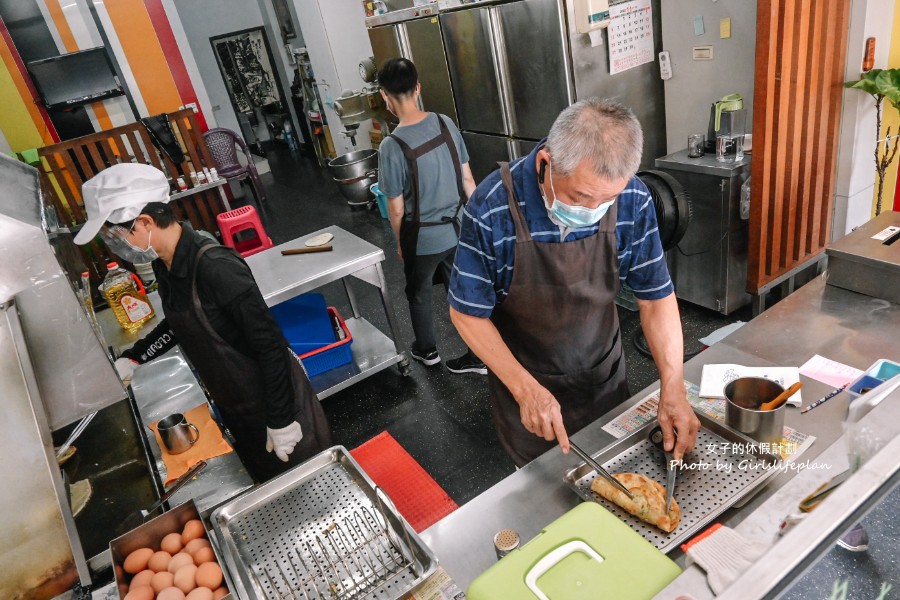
pixel 677 416
pixel 542 415
pixel 125 368
pixel 283 440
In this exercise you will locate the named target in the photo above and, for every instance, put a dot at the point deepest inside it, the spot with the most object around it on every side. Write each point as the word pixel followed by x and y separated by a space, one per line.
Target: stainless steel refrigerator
pixel 415 33
pixel 509 68
pixel 485 66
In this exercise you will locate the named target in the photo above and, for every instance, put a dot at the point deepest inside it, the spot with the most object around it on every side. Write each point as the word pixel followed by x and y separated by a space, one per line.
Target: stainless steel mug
pixel 177 434
pixel 743 397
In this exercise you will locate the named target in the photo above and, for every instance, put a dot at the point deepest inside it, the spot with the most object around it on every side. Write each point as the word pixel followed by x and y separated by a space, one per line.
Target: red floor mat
pixel 417 496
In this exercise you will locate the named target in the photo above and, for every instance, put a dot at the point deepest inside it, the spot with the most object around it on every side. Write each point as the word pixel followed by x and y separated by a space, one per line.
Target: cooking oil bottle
pixel 128 303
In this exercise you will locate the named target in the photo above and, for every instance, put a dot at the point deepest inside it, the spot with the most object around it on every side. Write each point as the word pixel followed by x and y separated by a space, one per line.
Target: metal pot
pixel 354 172
pixel 743 397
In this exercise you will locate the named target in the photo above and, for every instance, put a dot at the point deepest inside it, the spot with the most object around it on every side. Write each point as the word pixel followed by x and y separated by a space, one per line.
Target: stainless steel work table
pixel 167 385
pixel 817 319
pixel 282 277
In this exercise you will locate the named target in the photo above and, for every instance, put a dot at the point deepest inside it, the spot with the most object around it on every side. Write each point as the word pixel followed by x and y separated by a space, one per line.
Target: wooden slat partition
pixel 69 164
pixel 800 55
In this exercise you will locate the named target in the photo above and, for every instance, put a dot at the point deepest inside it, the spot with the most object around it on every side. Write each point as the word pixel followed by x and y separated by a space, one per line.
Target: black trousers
pixel 422 272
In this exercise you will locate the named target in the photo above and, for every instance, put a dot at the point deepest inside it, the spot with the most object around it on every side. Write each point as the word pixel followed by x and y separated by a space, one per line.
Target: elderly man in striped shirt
pixel 546 242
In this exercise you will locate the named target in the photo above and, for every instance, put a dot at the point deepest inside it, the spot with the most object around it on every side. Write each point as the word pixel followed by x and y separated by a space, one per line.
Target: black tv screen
pixel 75 78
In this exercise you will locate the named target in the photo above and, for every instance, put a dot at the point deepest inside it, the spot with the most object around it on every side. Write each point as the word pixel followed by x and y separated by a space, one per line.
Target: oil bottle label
pixel 135 308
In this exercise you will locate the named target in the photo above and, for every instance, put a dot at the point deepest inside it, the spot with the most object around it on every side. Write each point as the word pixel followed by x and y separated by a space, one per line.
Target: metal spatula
pixel 136 519
pixel 656 438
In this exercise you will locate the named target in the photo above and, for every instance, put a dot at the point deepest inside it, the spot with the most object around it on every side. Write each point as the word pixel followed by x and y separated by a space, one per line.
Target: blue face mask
pixel 574 216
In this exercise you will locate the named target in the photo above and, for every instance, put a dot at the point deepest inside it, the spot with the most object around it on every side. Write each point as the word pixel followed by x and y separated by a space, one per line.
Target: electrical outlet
pixel 192 106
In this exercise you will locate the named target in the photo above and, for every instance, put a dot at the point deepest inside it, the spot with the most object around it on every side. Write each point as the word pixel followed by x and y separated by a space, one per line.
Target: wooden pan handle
pixel 781 398
pixel 306 250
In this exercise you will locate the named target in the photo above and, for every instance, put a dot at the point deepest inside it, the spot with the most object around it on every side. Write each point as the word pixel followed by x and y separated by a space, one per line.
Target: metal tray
pixel 702 494
pixel 321 530
pixel 150 534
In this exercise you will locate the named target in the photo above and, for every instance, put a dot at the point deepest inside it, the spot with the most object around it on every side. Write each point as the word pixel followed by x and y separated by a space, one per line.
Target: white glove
pixel 283 440
pixel 125 368
pixel 724 554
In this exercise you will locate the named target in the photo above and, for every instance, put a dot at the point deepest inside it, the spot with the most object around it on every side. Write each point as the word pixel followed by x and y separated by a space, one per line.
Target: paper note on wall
pixel 630 35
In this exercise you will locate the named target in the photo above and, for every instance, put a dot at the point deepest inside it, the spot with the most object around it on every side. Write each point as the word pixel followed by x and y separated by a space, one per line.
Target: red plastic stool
pixel 243 219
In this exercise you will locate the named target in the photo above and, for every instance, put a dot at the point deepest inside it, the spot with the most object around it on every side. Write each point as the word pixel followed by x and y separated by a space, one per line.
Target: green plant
pixel 881 84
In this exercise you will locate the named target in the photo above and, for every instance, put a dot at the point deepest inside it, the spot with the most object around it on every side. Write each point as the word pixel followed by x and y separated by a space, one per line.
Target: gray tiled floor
pixel 443 420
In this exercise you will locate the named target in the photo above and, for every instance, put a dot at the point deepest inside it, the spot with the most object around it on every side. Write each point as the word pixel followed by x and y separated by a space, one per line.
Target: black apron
pixel 560 322
pixel 409 228
pixel 234 382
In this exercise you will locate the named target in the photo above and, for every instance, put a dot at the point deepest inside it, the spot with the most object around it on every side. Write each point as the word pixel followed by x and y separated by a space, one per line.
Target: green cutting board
pixel 586 554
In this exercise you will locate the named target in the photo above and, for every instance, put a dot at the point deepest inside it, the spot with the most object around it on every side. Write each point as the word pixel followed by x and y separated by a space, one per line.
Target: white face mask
pixel 573 216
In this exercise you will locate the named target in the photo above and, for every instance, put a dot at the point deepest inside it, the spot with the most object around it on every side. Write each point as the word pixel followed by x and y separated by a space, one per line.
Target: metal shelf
pixel 372 352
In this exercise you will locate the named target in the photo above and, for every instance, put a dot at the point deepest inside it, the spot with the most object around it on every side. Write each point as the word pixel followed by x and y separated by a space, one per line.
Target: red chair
pixel 221 143
pixel 242 219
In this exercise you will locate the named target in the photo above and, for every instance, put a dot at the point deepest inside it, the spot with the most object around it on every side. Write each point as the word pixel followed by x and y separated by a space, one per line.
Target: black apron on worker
pixel 234 382
pixel 559 320
pixel 409 228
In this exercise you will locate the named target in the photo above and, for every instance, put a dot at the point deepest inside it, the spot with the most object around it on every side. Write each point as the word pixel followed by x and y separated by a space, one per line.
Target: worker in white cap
pixel 215 312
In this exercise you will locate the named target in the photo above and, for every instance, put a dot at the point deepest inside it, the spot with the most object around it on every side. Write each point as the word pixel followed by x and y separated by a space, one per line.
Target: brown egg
pixel 185 578
pixel 162 580
pixel 204 555
pixel 219 593
pixel 179 560
pixel 172 593
pixel 137 560
pixel 171 543
pixel 209 575
pixel 142 578
pixel 144 592
pixel 192 546
pixel 193 530
pixel 159 561
pixel 201 593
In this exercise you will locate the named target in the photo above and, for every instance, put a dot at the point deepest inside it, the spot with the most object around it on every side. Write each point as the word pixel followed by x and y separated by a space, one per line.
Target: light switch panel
pixel 702 52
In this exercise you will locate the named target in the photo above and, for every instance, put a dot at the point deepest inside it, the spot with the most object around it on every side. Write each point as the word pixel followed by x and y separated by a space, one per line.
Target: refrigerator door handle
pixel 406 52
pixel 501 68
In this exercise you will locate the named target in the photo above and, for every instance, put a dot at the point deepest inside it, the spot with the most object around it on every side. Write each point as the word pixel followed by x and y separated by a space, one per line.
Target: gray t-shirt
pixel 438 193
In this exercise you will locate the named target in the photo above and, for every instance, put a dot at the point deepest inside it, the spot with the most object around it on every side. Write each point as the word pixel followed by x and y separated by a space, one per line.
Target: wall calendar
pixel 630 35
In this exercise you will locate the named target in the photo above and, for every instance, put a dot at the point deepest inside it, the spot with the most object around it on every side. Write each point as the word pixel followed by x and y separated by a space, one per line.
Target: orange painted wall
pixel 145 56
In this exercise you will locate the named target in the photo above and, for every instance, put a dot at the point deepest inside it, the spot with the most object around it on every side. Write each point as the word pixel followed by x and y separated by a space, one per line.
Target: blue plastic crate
pixel 334 355
pixel 305 322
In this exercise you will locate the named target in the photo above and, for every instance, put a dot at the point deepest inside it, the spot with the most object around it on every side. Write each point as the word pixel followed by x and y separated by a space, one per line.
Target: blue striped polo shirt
pixel 485 256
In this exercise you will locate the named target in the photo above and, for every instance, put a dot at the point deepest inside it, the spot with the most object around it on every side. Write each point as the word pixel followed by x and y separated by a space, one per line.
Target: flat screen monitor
pixel 75 78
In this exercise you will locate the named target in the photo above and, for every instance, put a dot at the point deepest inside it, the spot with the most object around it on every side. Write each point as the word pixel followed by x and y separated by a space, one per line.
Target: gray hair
pixel 603 132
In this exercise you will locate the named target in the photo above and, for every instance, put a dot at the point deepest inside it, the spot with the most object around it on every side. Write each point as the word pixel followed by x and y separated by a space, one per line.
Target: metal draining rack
pixel 321 531
pixel 702 494
pixel 347 561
